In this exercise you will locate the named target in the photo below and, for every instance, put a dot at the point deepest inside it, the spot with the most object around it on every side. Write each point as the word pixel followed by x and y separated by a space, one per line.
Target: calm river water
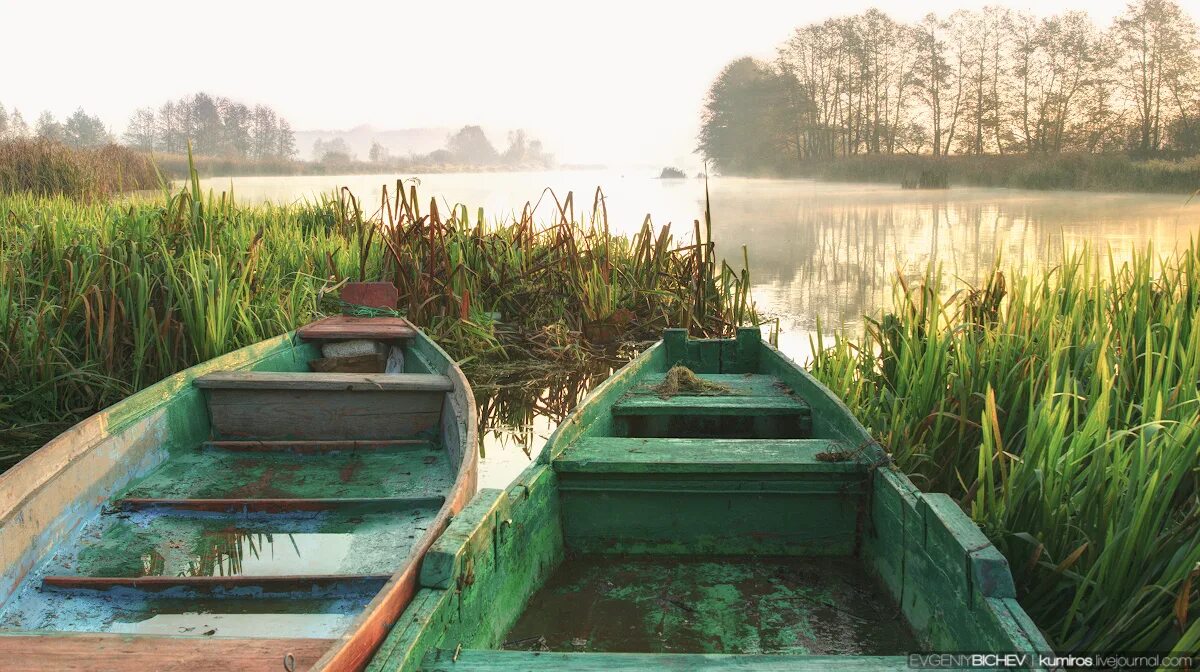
pixel 818 250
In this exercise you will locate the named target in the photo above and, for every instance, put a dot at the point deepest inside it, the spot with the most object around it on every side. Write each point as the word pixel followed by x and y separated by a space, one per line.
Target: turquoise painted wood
pixel 755 525
pixel 241 510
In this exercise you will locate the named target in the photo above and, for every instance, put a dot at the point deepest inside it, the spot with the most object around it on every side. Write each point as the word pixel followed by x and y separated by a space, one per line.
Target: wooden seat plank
pixel 296 380
pixel 607 454
pixel 346 327
pixel 739 384
pixel 318 446
pixel 280 582
pixel 710 405
pixel 277 505
pixel 92 652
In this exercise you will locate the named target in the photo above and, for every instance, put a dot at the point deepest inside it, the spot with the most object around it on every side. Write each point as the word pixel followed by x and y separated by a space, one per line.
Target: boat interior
pixel 730 514
pixel 270 493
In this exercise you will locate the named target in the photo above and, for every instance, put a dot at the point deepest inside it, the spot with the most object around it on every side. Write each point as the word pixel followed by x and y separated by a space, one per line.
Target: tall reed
pixel 99 299
pixel 1061 410
pixel 50 168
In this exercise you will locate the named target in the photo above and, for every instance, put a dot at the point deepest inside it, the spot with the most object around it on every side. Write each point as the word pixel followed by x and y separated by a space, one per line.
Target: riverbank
pixel 1075 172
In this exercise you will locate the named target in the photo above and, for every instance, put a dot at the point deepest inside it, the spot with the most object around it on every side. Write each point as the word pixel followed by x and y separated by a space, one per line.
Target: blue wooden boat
pixel 248 513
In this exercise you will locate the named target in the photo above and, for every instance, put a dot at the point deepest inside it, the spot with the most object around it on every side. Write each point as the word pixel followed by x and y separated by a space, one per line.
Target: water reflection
pixel 518 412
pixel 236 552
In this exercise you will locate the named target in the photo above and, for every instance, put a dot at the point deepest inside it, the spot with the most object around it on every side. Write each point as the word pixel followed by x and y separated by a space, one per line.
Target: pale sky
pixel 604 82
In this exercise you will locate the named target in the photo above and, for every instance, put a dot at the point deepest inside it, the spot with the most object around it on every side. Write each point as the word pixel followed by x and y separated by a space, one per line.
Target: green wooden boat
pixel 245 514
pixel 738 518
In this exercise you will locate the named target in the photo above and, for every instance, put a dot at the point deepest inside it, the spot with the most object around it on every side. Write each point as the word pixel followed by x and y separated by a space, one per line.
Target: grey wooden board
pixel 354 382
pixel 273 414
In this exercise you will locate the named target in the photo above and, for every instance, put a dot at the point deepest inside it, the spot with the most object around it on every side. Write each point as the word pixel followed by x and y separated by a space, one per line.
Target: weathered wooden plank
pixel 708 521
pixel 152 583
pixel 711 405
pixel 340 382
pixel 90 652
pixel 470 531
pixel 487 660
pixel 275 505
pixel 318 446
pixel 345 327
pixel 370 294
pixel 321 414
pixel 607 454
pixel 675 346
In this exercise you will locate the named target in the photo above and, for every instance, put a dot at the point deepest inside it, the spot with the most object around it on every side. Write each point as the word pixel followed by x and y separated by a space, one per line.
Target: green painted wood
pixel 741 354
pixel 954 586
pixel 704 355
pixel 612 490
pixel 608 454
pixel 319 446
pixel 279 504
pixel 705 520
pixel 467 535
pixel 340 382
pixel 482 660
pixel 714 405
pixel 675 342
pixel 507 555
pixel 418 630
pixel 207 474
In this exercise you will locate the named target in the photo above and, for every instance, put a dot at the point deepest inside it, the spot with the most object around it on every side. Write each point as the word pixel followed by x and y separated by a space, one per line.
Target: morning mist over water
pixel 818 250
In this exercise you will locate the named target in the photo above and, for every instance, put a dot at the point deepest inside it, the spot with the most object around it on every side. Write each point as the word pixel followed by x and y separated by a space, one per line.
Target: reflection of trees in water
pixel 831 251
pixel 153 564
pixel 510 402
pixel 222 552
pixel 214 553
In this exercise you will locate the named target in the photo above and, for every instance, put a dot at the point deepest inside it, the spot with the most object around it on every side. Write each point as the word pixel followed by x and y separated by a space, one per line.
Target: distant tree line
pixel 78 130
pixel 469 146
pixel 993 81
pixel 216 126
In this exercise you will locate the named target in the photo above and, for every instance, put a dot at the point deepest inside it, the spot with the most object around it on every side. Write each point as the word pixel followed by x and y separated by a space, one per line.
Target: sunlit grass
pixel 1061 410
pixel 49 168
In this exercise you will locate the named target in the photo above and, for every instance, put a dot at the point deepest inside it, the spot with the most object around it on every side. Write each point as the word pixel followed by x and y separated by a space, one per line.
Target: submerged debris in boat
pixel 681 380
pixel 834 456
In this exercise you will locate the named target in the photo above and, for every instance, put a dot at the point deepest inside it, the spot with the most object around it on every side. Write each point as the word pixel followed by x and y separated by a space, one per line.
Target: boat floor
pixel 215 473
pixel 730 605
pixel 201 554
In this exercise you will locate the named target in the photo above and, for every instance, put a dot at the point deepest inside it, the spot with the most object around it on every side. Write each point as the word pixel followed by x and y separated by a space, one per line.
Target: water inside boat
pixel 672 604
pixel 271 498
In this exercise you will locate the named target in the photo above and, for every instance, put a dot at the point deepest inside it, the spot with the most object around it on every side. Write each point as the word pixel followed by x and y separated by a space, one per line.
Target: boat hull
pixel 736 540
pixel 46 499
